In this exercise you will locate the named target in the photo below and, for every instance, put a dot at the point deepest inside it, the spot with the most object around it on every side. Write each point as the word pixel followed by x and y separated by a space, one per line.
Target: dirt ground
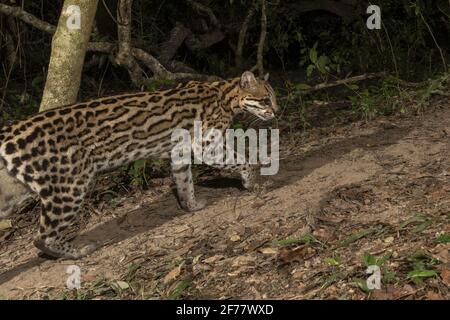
pixel 347 195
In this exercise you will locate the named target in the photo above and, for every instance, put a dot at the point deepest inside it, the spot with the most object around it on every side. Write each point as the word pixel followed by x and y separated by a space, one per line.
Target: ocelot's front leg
pixel 182 176
pixel 240 165
pixel 246 171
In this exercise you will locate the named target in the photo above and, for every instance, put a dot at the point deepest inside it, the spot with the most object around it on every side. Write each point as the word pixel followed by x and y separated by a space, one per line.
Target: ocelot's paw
pixel 87 249
pixel 64 250
pixel 249 185
pixel 192 206
pixel 248 178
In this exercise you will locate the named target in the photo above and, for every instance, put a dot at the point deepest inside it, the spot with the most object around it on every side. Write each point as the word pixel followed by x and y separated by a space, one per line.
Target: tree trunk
pixel 67 57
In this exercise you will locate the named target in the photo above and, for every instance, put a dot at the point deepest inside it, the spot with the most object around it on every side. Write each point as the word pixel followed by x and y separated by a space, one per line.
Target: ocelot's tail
pixel 13 194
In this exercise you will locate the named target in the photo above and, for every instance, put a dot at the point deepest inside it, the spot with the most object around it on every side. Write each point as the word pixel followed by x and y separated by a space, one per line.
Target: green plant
pixel 333 261
pixel 176 293
pixel 444 238
pixel 306 239
pixel 422 267
pixel 370 260
pixel 294 104
pixel 432 87
pixel 420 221
pixel 136 171
pixel 322 63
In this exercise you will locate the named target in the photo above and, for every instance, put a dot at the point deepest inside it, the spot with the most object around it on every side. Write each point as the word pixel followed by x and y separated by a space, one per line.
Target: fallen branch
pixel 334 104
pixel 345 81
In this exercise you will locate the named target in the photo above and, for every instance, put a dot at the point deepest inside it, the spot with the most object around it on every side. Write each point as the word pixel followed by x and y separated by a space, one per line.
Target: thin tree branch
pixel 262 39
pixel 26 17
pixel 177 36
pixel 151 62
pixel 124 56
pixel 344 9
pixel 124 32
pixel 104 47
pixel 242 35
pixel 205 10
pixel 203 41
pixel 159 71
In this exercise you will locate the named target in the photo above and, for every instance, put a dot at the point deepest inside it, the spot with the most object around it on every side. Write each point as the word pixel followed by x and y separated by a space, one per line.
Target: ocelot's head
pixel 257 97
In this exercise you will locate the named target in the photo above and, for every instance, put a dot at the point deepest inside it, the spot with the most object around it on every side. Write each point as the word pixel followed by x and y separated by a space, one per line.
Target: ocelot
pixel 57 153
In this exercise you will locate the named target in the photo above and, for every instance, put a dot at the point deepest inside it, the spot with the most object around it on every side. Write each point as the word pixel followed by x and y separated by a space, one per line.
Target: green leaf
pixel 313 55
pixel 306 239
pixel 5 224
pixel 423 226
pixel 136 168
pixel 237 125
pixel 309 70
pixel 369 260
pixel 445 238
pixel 422 274
pixel 362 284
pixel 355 236
pixel 389 276
pixel 332 261
pixel 119 286
pixel 37 81
pixel 407 222
pixel 181 286
pixel 423 221
pixel 384 258
pixel 322 64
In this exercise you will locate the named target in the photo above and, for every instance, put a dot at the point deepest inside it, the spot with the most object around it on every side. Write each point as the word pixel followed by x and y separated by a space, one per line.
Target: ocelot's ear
pixel 266 77
pixel 248 81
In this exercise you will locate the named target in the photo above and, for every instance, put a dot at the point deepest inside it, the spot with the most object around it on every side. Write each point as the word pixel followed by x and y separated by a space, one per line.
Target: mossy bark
pixel 67 55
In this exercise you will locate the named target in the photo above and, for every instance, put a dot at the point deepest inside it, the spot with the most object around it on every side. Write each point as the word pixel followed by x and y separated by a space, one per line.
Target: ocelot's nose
pixel 269 114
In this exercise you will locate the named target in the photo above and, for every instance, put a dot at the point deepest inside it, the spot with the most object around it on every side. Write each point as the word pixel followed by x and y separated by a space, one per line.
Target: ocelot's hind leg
pixel 14 195
pixel 182 176
pixel 59 212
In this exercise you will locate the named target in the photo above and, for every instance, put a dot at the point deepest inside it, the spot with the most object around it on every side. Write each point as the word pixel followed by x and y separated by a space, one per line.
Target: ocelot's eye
pixel 268 102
